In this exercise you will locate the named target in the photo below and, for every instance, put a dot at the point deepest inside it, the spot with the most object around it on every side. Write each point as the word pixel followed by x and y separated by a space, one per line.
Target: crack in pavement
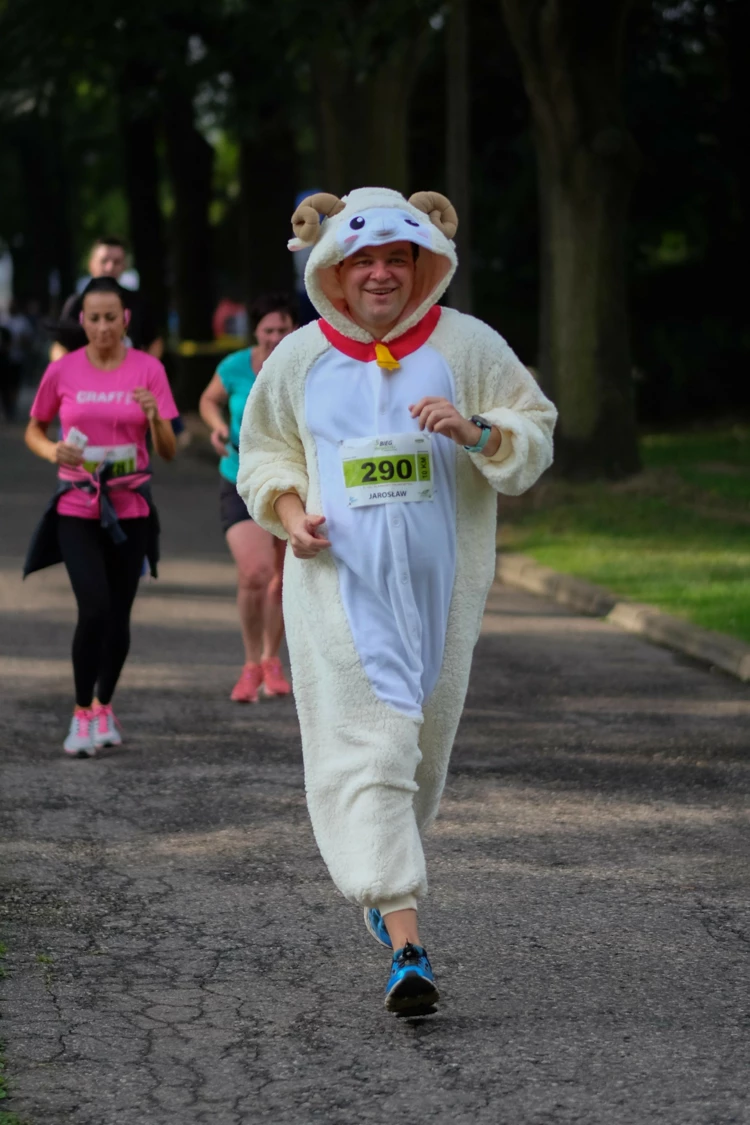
pixel 589 882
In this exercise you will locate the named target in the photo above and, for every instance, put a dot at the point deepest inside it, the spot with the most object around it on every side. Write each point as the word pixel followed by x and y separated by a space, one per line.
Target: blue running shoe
pixel 376 926
pixel 411 987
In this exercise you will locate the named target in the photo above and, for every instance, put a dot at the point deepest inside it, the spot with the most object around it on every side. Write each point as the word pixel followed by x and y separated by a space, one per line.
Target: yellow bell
pixel 383 358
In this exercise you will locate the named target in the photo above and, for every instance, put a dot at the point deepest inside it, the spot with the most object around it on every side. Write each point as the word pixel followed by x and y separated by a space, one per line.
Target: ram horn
pixel 441 211
pixel 306 218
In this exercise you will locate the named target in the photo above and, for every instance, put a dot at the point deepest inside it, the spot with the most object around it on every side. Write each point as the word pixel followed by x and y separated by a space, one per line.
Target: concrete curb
pixel 713 648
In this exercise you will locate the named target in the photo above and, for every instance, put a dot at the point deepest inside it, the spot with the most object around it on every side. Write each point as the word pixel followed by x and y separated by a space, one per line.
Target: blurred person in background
pixel 229 319
pixel 101 521
pixel 258 554
pixel 7 402
pixel 19 339
pixel 108 258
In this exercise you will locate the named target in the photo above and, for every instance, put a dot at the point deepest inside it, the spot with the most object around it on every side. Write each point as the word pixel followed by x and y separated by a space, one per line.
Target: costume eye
pixel 357 222
pixel 412 222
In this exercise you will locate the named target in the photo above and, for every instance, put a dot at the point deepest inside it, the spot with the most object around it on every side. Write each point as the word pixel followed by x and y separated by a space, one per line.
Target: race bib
pixel 389 469
pixel 122 458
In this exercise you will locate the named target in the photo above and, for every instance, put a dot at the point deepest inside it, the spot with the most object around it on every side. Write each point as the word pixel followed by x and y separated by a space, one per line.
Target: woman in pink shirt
pixel 108 398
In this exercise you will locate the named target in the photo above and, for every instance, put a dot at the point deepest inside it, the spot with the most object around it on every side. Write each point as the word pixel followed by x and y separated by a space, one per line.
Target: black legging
pixel 104 577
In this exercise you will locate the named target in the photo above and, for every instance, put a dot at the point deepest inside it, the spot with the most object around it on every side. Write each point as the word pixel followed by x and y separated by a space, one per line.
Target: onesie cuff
pixel 263 510
pixel 500 418
pixel 403 902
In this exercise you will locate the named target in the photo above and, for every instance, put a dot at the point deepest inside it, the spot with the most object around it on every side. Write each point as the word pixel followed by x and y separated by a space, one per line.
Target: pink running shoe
pixel 274 680
pixel 80 740
pixel 246 688
pixel 106 726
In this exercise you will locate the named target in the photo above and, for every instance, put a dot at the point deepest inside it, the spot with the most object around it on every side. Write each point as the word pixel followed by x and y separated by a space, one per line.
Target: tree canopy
pixel 190 127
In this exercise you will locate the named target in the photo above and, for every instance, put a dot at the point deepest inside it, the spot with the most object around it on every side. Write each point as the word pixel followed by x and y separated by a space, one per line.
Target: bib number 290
pixel 386 470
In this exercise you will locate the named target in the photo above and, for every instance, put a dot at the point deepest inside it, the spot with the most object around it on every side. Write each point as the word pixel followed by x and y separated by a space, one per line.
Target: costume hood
pixel 337 228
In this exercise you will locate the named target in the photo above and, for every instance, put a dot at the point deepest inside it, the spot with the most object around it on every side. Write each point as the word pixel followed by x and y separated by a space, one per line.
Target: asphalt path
pixel 176 953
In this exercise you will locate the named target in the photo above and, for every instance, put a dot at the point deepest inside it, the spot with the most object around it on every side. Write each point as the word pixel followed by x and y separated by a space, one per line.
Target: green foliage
pixel 689 103
pixel 226 177
pixel 69 76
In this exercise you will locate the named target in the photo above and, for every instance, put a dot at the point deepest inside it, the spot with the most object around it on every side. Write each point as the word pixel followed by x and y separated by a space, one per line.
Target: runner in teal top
pixel 259 556
pixel 237 378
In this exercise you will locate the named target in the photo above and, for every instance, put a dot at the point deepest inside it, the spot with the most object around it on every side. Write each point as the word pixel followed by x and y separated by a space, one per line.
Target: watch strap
pixel 484 437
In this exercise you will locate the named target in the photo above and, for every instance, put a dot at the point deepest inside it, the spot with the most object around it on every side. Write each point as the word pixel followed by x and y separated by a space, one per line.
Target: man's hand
pixel 304 539
pixel 219 439
pixel 147 403
pixel 301 528
pixel 441 417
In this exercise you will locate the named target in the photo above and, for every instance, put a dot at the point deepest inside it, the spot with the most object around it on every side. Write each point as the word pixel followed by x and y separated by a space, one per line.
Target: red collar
pixel 402 346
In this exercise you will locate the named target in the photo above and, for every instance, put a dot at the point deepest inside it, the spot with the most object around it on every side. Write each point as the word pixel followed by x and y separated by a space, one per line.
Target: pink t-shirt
pixel 100 404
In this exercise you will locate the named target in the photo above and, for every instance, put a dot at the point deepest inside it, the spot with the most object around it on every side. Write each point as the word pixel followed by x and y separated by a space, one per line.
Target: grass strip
pixel 676 536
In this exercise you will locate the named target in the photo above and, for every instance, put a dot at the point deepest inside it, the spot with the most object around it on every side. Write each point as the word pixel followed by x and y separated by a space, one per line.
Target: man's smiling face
pixel 377 282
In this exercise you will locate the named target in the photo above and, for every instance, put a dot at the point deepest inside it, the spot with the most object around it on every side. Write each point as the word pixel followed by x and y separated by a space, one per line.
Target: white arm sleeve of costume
pixel 272 457
pixel 511 399
pixel 492 381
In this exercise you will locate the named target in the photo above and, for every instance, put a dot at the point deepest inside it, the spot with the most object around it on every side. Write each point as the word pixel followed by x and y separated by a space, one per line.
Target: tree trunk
pixel 459 147
pixel 364 116
pixel 44 176
pixel 734 26
pixel 268 186
pixel 139 124
pixel 571 59
pixel 190 164
pixel 387 147
pixel 335 116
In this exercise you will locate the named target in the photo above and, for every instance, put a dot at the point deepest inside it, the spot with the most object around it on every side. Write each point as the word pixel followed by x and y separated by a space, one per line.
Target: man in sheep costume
pixel 375 441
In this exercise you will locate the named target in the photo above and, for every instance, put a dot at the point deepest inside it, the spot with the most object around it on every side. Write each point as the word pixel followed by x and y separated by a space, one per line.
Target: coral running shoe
pixel 274 680
pixel 80 741
pixel 411 989
pixel 106 726
pixel 246 688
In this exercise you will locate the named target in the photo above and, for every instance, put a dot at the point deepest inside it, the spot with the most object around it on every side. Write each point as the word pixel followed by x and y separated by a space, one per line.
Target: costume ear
pixel 441 211
pixel 306 219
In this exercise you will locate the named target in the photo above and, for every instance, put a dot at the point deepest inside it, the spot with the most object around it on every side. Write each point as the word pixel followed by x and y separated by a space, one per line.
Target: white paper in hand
pixel 77 438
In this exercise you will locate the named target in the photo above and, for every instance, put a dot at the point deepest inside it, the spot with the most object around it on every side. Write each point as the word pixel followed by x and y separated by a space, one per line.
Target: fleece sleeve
pixel 507 395
pixel 272 456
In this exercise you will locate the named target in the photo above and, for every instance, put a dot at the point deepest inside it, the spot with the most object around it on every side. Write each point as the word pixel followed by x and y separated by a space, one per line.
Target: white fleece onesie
pixel 381 628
